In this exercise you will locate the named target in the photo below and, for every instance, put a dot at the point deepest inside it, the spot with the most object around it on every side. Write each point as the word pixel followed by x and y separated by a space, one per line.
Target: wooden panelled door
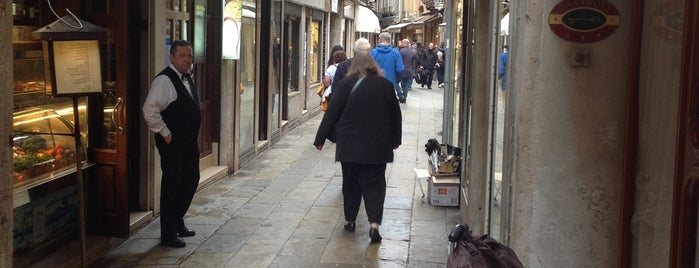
pixel 686 186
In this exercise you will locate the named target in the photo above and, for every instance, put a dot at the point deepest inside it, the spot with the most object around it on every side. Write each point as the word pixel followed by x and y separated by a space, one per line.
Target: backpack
pixel 476 252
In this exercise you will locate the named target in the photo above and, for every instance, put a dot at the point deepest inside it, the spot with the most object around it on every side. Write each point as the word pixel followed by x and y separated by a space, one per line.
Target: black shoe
pixel 173 242
pixel 374 235
pixel 185 232
pixel 350 226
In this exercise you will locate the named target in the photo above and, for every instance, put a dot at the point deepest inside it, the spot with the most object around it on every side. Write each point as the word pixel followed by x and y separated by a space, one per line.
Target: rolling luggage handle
pixel 455 236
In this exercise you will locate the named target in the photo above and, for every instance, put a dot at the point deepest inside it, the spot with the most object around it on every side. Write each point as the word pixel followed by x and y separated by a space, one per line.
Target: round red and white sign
pixel 584 21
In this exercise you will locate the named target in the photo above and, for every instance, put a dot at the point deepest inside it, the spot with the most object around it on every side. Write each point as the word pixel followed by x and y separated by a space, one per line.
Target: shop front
pixel 249 97
pixel 47 188
pixel 119 192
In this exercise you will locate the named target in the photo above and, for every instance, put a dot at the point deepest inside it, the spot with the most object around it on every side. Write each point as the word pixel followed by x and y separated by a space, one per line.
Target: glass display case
pixel 43 146
pixel 43 143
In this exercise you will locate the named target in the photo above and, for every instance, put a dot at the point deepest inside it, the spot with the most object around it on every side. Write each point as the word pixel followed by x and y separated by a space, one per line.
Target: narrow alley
pixel 285 209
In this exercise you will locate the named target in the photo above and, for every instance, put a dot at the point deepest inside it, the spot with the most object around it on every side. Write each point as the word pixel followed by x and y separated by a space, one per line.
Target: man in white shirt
pixel 172 111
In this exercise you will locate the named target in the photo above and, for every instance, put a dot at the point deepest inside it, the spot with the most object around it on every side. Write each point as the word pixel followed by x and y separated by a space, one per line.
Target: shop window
pixel 248 72
pixel 314 53
pixel 291 57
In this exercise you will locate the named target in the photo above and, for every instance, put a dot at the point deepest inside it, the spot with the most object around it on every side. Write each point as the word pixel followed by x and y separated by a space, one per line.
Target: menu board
pixel 76 65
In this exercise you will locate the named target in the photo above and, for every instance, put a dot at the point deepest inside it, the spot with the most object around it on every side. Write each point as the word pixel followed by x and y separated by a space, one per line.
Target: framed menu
pixel 75 67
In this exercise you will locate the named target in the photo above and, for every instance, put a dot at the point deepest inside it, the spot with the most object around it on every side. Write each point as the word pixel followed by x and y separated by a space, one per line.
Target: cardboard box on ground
pixel 443 190
pixel 444 182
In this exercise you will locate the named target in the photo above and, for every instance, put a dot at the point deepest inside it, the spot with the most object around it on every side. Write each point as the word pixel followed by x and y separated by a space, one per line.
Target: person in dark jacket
pixel 427 59
pixel 366 116
pixel 171 110
pixel 406 78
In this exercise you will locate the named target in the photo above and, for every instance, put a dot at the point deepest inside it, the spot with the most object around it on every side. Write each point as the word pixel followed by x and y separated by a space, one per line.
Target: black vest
pixel 182 116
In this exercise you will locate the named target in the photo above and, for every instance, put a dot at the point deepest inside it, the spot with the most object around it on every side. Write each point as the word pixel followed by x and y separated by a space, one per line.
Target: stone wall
pixel 567 141
pixel 6 215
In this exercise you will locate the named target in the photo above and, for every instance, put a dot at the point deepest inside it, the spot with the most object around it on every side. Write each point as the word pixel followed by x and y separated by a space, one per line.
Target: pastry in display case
pixel 43 145
pixel 29 86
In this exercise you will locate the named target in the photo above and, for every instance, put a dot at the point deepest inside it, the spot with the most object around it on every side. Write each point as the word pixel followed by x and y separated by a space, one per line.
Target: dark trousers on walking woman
pixel 364 180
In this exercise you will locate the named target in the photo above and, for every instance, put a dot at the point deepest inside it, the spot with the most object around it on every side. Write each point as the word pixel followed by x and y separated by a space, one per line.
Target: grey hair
pixel 384 37
pixel 362 45
pixel 178 43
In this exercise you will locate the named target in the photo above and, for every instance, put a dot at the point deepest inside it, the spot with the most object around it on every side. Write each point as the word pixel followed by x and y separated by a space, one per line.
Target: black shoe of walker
pixel 173 242
pixel 185 232
pixel 374 235
pixel 350 226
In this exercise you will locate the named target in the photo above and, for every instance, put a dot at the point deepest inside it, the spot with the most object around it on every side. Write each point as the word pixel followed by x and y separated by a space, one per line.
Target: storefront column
pixel 6 216
pixel 567 141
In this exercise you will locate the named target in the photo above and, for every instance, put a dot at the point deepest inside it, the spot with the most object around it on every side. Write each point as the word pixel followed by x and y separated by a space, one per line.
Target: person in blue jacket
pixel 502 67
pixel 391 63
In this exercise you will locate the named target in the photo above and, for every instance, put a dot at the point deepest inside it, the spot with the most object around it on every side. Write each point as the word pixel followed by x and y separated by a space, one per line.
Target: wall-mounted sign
pixel 584 21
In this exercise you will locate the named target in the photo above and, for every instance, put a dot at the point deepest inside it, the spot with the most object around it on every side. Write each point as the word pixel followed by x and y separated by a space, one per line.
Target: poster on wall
pixel 232 19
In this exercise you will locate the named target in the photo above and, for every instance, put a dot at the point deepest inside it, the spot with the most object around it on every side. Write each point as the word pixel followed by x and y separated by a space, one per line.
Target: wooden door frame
pixel 686 180
pixel 108 205
pixel 628 180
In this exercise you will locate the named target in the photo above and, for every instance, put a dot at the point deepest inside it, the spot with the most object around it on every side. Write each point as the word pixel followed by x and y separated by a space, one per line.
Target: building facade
pixel 590 145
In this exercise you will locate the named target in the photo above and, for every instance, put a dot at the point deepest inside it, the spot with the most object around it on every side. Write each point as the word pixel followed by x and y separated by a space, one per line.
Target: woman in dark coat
pixel 368 126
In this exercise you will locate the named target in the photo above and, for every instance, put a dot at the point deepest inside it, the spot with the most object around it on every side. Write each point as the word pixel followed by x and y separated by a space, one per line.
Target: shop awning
pixel 396 27
pixel 427 18
pixel 366 21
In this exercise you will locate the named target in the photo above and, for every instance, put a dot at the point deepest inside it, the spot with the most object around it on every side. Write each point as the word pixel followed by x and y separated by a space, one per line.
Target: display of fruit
pixel 32 152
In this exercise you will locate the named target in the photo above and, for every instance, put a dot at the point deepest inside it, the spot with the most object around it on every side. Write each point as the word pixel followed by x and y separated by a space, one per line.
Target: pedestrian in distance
pixel 502 67
pixel 406 79
pixel 441 62
pixel 335 48
pixel 502 72
pixel 362 45
pixel 390 61
pixel 337 57
pixel 426 60
pixel 365 115
pixel 171 110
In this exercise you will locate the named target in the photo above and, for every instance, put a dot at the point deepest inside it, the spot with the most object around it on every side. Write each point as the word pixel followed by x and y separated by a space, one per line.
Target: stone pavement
pixel 285 209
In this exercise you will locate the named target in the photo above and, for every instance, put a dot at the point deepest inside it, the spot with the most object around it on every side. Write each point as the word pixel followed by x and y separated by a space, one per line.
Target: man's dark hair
pixel 178 43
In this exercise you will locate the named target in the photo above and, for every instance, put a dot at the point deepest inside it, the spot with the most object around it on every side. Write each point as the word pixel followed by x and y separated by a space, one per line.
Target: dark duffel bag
pixel 480 251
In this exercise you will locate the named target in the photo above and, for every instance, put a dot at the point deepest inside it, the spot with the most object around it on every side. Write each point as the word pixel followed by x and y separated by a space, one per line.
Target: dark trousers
pixel 440 76
pixel 428 79
pixel 179 161
pixel 364 180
